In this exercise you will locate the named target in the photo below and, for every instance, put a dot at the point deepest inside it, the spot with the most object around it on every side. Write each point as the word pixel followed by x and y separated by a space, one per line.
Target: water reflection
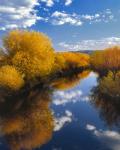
pixel 31 124
pixel 108 137
pixel 69 81
pixel 27 122
pixel 106 98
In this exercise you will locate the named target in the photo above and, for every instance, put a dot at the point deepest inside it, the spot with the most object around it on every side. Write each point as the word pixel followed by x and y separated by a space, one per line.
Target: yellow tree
pixel 106 59
pixel 76 59
pixel 69 60
pixel 10 78
pixel 31 52
pixel 60 63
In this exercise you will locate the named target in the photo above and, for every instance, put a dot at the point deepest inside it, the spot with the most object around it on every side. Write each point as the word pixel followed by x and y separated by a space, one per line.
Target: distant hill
pixel 84 51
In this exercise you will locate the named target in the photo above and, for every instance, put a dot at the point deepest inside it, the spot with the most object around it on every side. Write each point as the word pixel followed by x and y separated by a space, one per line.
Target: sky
pixel 71 24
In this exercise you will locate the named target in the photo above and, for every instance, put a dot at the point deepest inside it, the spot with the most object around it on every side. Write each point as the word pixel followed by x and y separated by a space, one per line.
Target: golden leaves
pixel 10 78
pixel 69 60
pixel 106 59
pixel 30 52
pixel 18 40
pixel 76 59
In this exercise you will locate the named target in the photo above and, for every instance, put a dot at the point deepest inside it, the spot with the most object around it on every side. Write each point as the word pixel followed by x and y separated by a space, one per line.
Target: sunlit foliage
pixel 32 66
pixel 31 52
pixel 33 42
pixel 10 78
pixel 60 63
pixel 76 59
pixel 70 60
pixel 106 59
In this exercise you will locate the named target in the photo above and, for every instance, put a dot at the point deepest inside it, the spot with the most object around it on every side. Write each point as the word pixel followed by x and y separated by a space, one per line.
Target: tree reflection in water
pixel 26 120
pixel 69 81
pixel 29 124
pixel 106 97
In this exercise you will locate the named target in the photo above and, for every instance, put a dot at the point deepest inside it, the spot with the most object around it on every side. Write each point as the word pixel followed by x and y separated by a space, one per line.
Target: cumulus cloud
pixel 49 3
pixel 59 122
pixel 68 2
pixel 110 138
pixel 18 14
pixel 73 96
pixel 91 44
pixel 23 14
pixel 61 18
pixel 104 16
pixel 90 127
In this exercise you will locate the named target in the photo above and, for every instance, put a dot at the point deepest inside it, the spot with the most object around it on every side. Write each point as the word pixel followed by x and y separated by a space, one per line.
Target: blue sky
pixel 71 24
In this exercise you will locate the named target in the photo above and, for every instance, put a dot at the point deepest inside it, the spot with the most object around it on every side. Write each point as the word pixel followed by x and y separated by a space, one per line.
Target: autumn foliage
pixel 11 78
pixel 60 63
pixel 32 42
pixel 108 59
pixel 31 52
pixel 76 59
pixel 71 60
pixel 31 55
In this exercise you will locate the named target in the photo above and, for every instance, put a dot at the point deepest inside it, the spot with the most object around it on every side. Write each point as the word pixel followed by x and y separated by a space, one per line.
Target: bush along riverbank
pixel 28 60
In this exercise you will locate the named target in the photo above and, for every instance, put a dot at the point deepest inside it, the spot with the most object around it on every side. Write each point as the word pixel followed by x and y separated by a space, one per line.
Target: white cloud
pixel 18 14
pixel 72 96
pixel 61 121
pixel 91 44
pixel 68 2
pixel 23 14
pixel 49 3
pixel 90 127
pixel 61 18
pixel 110 138
pixel 104 16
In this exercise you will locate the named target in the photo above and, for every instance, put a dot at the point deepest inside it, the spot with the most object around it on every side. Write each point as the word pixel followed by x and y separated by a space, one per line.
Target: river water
pixel 71 116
